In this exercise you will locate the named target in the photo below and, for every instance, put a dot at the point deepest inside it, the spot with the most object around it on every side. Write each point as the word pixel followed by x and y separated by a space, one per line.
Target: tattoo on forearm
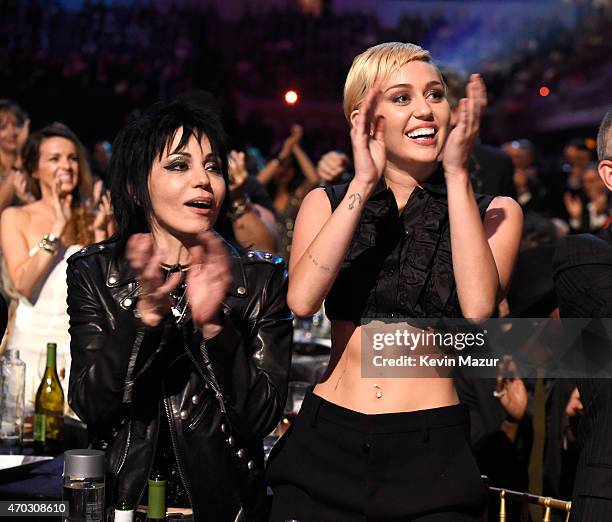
pixel 316 263
pixel 354 199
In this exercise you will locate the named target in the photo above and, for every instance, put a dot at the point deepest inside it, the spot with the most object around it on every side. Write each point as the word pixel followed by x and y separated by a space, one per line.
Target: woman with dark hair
pixel 38 238
pixel 14 128
pixel 180 345
pixel 407 239
pixel 288 178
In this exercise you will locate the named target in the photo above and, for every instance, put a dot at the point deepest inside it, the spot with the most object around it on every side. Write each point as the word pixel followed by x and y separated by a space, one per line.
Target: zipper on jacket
pixel 209 376
pixel 179 465
pixel 146 481
pixel 125 450
pixel 129 381
pixel 214 384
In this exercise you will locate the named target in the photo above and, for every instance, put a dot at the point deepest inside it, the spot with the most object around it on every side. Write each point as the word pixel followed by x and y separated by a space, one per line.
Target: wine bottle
pixel 49 409
pixel 124 512
pixel 156 510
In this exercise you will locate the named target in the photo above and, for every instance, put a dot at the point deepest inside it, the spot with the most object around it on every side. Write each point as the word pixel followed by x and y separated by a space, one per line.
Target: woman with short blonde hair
pixel 407 238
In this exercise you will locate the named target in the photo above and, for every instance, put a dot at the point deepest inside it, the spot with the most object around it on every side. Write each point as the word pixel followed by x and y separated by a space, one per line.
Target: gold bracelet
pixel 49 243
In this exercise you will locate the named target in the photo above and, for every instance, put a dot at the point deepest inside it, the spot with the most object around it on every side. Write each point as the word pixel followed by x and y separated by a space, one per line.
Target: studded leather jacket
pixel 219 396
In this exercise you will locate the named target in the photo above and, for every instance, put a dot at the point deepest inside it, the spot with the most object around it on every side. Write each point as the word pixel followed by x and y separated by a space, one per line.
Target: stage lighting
pixel 590 143
pixel 544 91
pixel 291 97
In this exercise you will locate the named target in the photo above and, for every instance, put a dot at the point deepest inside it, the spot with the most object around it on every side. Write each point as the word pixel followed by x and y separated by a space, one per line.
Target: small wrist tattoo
pixel 316 263
pixel 354 199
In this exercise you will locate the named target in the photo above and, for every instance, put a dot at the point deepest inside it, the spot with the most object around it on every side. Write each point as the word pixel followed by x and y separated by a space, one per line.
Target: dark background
pixel 94 64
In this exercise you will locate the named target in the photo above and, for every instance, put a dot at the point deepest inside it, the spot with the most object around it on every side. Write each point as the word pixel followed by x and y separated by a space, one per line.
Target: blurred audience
pixel 253 225
pixel 588 208
pixel 14 128
pixel 529 191
pixel 491 171
pixel 289 177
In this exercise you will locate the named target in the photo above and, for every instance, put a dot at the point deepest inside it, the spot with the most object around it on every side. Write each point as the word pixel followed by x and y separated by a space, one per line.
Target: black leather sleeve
pixel 105 347
pixel 253 369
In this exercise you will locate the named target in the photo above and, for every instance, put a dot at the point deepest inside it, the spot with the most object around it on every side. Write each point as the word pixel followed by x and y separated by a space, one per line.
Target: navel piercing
pixel 378 392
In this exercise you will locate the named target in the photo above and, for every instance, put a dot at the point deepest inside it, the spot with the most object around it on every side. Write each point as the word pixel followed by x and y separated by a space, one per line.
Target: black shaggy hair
pixel 148 137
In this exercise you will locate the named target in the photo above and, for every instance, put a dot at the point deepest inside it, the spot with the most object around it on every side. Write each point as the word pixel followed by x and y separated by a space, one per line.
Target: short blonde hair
pixel 376 63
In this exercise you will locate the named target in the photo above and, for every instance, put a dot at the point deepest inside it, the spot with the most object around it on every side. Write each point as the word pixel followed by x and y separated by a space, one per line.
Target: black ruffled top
pixel 398 265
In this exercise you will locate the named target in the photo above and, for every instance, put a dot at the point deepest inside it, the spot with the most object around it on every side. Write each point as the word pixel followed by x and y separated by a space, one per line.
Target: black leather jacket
pixel 220 396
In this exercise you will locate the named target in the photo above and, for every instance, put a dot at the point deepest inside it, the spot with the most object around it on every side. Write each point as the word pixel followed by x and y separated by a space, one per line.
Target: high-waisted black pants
pixel 338 465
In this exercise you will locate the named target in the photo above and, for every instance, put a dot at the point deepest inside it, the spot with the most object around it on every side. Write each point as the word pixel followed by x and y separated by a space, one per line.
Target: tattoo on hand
pixel 354 199
pixel 316 263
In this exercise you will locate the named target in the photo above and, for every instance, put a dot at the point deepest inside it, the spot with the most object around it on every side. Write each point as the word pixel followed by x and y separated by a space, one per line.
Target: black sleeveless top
pixel 398 266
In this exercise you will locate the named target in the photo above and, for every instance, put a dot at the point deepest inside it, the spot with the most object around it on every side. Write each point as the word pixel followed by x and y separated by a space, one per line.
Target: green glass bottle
pixel 156 510
pixel 49 409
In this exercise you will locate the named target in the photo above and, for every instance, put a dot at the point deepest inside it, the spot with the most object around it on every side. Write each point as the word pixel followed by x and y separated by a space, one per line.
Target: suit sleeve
pixel 583 277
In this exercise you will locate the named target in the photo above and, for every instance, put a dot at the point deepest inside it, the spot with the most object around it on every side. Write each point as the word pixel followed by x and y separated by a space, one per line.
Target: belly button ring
pixel 378 392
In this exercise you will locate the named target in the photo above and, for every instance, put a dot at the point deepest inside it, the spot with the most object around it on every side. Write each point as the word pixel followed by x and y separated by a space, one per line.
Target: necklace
pixel 179 303
pixel 177 267
pixel 179 294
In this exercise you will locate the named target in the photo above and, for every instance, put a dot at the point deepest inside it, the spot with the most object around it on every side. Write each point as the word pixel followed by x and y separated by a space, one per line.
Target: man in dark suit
pixel 583 280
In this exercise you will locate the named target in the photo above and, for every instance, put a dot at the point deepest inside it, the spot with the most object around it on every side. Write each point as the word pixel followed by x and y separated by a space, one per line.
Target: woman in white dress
pixel 38 238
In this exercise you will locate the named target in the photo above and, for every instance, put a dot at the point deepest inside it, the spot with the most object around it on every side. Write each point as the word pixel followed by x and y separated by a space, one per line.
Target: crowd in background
pixel 560 196
pixel 126 56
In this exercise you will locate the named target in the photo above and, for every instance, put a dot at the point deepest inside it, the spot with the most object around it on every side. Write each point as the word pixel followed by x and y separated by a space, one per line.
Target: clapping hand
pixel 510 389
pixel 331 165
pixel 600 202
pixel 573 205
pixel 145 259
pixel 460 142
pixel 20 183
pixel 104 214
pixel 237 174
pixel 207 282
pixel 291 141
pixel 24 132
pixel 367 138
pixel 295 136
pixel 62 207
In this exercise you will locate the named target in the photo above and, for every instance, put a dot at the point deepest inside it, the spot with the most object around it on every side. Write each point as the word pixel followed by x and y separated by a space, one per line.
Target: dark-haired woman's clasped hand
pixel 145 259
pixel 207 282
pixel 461 140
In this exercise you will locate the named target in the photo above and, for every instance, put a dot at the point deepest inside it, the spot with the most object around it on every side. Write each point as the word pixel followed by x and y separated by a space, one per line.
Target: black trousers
pixel 338 465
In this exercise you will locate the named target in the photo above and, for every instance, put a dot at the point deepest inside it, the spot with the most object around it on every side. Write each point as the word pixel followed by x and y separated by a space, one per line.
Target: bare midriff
pixel 344 385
